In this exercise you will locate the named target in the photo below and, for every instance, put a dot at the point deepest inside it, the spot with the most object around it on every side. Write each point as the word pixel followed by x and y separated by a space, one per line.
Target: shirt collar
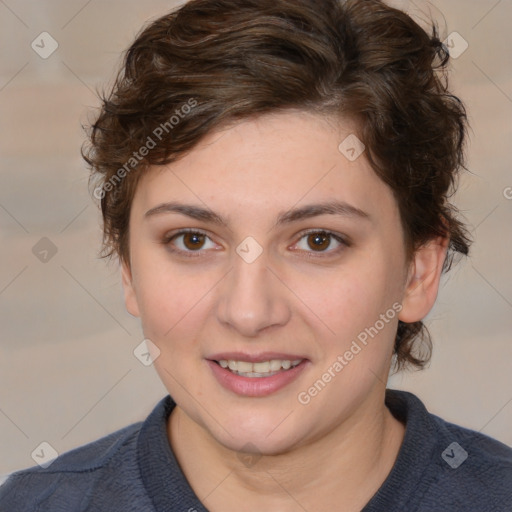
pixel 168 488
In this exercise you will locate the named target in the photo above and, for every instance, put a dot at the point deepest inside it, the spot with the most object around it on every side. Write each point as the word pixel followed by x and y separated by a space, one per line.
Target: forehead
pixel 268 164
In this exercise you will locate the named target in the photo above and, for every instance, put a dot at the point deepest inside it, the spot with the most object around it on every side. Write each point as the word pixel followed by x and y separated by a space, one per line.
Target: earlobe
pixel 423 280
pixel 130 297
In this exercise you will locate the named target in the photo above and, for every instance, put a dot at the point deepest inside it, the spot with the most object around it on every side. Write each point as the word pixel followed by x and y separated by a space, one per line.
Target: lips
pixel 256 375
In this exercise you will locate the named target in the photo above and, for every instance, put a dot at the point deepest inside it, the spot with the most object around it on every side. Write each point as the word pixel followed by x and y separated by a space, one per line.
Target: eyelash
pixel 310 254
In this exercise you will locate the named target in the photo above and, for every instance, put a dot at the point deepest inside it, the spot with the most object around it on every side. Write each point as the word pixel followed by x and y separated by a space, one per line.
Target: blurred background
pixel 68 373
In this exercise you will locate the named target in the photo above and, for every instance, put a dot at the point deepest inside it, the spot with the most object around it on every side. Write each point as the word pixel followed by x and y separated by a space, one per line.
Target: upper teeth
pixel 273 365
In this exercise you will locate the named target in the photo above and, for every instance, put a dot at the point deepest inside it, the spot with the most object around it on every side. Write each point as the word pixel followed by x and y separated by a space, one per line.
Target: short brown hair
pixel 213 62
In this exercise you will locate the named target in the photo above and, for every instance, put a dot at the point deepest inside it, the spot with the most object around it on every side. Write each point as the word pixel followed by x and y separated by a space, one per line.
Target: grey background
pixel 67 370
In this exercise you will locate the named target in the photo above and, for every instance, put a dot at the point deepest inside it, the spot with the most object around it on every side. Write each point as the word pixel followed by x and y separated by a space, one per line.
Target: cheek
pixel 171 302
pixel 157 295
pixel 348 298
pixel 347 309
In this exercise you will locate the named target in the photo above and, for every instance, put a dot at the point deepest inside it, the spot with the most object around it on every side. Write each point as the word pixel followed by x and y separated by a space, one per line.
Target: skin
pixel 284 301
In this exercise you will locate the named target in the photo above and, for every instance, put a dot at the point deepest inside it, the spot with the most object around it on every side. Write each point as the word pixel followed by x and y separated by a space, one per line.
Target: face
pixel 265 248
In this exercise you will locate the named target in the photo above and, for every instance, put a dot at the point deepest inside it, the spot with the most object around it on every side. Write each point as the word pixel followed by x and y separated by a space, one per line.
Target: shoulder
pixel 468 470
pixel 65 483
pixel 488 461
pixel 91 456
pixel 473 470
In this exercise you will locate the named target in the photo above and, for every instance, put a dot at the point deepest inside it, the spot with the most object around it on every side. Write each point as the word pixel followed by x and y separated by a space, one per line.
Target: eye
pixel 320 241
pixel 193 242
pixel 188 241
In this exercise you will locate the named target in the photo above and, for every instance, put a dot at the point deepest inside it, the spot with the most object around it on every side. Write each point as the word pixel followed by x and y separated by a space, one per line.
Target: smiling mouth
pixel 258 370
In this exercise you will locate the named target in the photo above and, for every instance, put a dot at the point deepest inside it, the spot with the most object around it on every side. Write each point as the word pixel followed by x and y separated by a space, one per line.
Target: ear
pixel 423 280
pixel 130 297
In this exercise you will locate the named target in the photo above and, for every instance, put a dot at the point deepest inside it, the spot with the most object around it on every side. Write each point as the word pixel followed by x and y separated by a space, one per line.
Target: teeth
pixel 256 367
pixel 262 369
pixel 275 365
pixel 241 366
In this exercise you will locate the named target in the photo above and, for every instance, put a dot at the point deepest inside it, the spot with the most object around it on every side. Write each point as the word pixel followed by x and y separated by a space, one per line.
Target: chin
pixel 258 435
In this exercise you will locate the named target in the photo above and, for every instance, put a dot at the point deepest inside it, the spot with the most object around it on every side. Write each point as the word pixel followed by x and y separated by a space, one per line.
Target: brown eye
pixel 319 241
pixel 188 242
pixel 193 241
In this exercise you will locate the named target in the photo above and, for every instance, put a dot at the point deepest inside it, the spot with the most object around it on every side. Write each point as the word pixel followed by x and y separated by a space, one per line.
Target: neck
pixel 360 452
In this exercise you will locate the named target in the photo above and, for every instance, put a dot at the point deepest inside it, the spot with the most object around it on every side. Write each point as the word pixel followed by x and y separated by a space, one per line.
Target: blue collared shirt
pixel 440 467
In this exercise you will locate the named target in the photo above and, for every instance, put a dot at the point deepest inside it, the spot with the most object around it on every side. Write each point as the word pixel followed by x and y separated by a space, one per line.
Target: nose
pixel 252 298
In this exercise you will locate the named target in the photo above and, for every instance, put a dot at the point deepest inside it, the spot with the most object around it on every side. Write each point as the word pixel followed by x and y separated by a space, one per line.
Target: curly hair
pixel 214 62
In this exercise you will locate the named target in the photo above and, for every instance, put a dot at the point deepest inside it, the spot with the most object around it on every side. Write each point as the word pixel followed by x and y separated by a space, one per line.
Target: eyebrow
pixel 340 208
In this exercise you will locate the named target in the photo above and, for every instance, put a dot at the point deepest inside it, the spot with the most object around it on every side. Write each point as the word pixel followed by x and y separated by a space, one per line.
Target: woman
pixel 273 177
